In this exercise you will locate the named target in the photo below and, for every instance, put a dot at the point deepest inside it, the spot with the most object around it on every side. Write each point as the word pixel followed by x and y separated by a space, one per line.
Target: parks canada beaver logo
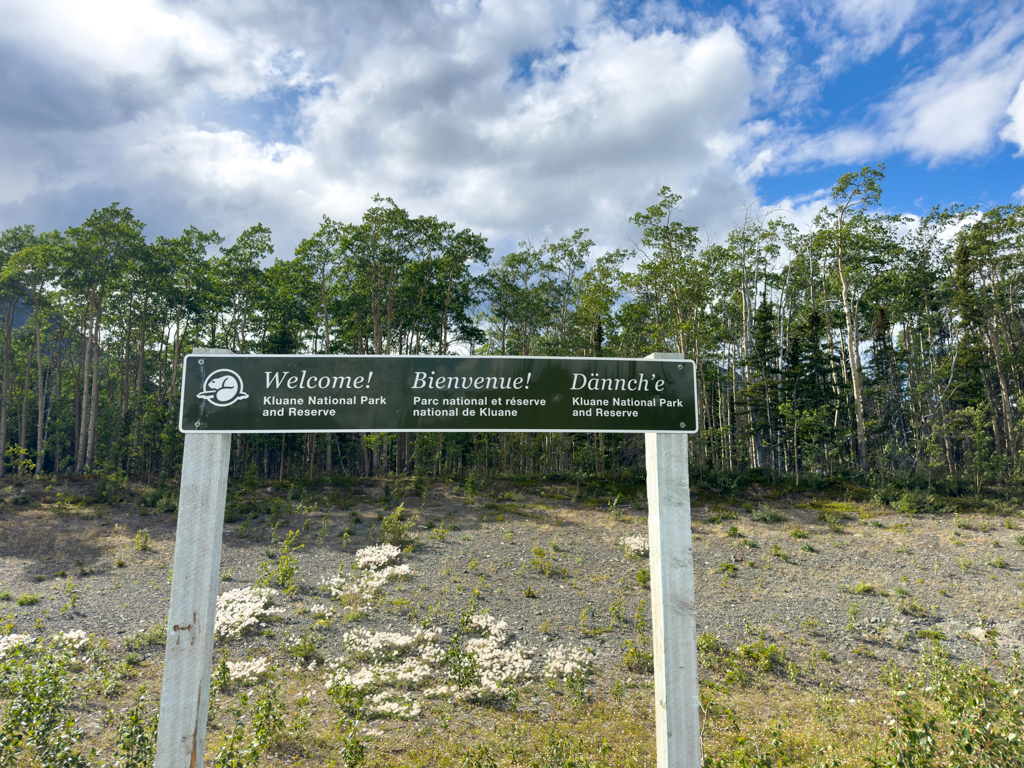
pixel 223 388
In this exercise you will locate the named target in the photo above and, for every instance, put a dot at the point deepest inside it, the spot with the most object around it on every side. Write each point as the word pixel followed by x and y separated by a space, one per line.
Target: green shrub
pixel 765 514
pixel 38 724
pixel 912 607
pixel 955 715
pixel 285 573
pixel 916 502
pixel 643 578
pixel 28 599
pixel 394 529
pixel 155 635
pixel 636 657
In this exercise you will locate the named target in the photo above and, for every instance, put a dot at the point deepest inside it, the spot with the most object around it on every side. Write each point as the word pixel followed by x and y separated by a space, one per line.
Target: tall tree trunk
pixel 23 420
pixel 856 375
pixel 57 396
pixel 40 425
pixel 139 375
pixel 993 406
pixel 1004 385
pixel 90 456
pixel 8 317
pixel 83 434
pixel 177 351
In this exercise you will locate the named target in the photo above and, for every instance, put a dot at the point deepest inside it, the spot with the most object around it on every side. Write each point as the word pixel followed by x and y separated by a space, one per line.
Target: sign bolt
pixel 198 425
pixel 680 366
pixel 201 361
pixel 682 425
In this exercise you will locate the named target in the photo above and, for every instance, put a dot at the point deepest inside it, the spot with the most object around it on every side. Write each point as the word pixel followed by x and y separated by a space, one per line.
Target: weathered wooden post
pixel 674 621
pixel 191 620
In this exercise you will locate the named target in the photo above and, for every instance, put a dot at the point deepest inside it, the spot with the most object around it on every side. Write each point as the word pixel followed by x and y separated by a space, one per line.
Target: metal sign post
pixel 674 621
pixel 223 393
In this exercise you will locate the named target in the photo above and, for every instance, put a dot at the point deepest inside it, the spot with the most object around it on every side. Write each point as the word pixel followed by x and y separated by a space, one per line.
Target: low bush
pixel 765 514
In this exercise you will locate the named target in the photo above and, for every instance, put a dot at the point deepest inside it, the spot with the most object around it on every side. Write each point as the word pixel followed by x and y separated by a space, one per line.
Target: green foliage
pixel 637 655
pixel 766 514
pixel 285 572
pixel 142 541
pixel 395 529
pixel 782 396
pixel 461 665
pixel 155 635
pixel 742 664
pixel 643 578
pixel 956 716
pixel 38 714
pixel 136 737
pixel 244 745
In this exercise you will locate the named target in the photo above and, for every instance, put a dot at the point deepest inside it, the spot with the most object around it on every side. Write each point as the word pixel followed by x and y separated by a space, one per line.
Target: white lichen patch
pixel 75 639
pixel 240 609
pixel 9 642
pixel 636 546
pixel 376 557
pixel 563 662
pixel 248 672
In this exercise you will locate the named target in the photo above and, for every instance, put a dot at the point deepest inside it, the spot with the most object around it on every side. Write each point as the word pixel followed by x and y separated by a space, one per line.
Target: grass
pixel 912 607
pixel 643 578
pixel 155 635
pixel 766 514
pixel 862 588
pixel 28 599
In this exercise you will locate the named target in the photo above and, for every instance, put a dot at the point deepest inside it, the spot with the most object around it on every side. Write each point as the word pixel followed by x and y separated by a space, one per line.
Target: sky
pixel 520 119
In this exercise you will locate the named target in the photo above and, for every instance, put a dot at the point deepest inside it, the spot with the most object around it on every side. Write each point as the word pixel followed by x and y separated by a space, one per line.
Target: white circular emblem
pixel 223 387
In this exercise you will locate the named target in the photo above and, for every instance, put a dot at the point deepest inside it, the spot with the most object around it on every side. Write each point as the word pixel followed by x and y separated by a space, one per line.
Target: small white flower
pixel 75 638
pixel 242 608
pixel 637 546
pixel 10 642
pixel 561 662
pixel 248 672
pixel 374 558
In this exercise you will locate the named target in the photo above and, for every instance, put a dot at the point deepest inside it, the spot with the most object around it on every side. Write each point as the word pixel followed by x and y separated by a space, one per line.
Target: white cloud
pixel 959 110
pixel 1014 130
pixel 598 121
pixel 526 118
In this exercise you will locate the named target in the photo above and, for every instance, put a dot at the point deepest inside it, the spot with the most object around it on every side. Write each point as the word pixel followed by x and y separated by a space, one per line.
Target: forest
pixel 875 346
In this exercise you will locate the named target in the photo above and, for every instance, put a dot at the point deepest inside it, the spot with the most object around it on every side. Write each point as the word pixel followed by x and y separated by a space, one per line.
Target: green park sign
pixel 391 393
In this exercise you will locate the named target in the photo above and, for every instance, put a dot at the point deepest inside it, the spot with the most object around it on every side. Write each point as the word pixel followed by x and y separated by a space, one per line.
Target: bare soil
pixel 865 585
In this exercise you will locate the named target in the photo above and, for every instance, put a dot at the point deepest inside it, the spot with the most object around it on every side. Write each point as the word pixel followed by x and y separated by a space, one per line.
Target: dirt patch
pixel 843 588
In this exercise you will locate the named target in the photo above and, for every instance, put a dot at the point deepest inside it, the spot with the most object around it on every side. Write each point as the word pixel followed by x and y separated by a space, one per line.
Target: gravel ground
pixel 910 578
